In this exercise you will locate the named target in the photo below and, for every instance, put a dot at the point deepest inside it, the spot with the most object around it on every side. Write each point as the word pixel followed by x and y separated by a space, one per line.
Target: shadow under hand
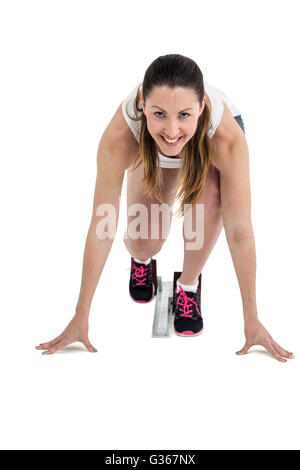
pixel 72 349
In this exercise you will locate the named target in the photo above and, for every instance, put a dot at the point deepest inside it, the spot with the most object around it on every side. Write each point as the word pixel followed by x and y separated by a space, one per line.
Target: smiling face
pixel 172 113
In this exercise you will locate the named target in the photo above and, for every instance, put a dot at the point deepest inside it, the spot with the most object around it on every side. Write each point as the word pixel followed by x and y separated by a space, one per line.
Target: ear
pixel 201 108
pixel 203 103
pixel 143 103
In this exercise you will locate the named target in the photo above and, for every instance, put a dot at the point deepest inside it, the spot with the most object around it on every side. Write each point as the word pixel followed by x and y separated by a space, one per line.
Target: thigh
pixel 211 192
pixel 136 195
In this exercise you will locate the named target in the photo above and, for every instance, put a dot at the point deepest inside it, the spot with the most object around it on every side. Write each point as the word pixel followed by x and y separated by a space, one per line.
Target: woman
pixel 187 142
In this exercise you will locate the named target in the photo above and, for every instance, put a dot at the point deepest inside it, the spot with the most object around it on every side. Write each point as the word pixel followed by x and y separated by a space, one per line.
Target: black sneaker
pixel 142 285
pixel 188 319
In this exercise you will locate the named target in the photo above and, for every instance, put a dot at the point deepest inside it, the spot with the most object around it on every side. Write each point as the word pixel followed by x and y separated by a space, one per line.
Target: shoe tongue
pixel 190 293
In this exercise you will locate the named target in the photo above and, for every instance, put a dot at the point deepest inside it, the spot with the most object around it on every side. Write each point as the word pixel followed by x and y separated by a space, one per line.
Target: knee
pixel 142 248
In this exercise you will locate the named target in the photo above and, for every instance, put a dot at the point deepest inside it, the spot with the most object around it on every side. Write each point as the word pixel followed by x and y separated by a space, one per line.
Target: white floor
pixel 138 392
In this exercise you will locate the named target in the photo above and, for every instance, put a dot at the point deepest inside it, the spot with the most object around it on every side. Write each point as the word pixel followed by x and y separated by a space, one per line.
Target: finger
pixel 57 347
pixel 88 345
pixel 281 351
pixel 50 343
pixel 244 350
pixel 273 351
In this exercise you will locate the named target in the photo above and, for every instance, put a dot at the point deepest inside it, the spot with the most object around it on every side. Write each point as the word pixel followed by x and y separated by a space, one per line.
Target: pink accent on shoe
pixel 187 333
pixel 186 302
pixel 140 274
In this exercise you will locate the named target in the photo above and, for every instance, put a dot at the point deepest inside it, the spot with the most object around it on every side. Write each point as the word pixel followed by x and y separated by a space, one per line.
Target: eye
pixel 159 112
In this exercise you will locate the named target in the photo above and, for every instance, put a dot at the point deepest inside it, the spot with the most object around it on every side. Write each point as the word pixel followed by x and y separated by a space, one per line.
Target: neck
pixel 168 156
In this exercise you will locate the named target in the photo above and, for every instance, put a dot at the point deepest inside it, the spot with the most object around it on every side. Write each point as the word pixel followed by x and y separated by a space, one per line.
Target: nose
pixel 172 131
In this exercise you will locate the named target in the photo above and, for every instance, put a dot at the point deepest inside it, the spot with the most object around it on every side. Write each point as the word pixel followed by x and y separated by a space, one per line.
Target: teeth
pixel 171 141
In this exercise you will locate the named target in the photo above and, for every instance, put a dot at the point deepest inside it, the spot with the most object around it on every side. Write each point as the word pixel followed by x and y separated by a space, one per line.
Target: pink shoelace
pixel 186 304
pixel 140 275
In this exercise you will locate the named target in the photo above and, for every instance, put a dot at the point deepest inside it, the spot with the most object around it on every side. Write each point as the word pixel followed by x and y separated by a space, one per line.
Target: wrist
pixel 250 308
pixel 83 306
pixel 250 316
pixel 82 313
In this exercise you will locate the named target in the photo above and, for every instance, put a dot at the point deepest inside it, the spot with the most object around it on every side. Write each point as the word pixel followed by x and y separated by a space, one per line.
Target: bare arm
pixel 107 191
pixel 116 152
pixel 231 157
pixel 232 160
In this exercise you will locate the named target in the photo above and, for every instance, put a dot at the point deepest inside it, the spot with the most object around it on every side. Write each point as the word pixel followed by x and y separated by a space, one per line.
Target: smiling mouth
pixel 171 144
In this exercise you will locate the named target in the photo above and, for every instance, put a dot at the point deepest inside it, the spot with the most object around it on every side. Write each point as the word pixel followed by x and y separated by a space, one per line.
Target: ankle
pixel 187 280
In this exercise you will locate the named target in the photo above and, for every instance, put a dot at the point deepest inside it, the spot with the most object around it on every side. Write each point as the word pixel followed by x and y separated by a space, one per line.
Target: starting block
pixel 164 303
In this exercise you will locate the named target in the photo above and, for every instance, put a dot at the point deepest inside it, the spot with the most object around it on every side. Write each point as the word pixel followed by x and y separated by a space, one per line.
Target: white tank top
pixel 216 98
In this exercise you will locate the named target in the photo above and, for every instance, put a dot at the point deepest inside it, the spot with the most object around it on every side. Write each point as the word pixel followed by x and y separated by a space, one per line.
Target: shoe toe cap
pixel 187 326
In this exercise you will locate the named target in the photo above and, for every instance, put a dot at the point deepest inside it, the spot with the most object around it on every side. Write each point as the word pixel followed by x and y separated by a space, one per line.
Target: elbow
pixel 239 234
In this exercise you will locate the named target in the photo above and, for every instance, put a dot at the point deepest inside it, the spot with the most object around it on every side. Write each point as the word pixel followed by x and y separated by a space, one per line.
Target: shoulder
pixel 117 130
pixel 119 141
pixel 226 135
pixel 132 111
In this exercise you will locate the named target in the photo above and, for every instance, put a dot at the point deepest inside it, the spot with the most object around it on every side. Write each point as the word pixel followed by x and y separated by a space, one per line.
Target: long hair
pixel 175 70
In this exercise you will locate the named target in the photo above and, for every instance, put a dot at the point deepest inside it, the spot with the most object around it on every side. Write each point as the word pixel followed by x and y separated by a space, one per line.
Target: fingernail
pixel 238 352
pixel 44 352
pixel 94 350
pixel 37 347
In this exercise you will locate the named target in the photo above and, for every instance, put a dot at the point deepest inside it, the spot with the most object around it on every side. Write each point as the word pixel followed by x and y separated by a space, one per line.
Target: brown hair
pixel 175 70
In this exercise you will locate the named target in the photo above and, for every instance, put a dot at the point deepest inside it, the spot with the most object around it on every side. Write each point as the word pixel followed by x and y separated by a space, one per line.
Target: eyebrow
pixel 166 111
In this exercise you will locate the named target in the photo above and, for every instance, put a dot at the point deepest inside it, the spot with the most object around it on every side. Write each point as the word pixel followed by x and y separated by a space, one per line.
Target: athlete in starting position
pixel 178 138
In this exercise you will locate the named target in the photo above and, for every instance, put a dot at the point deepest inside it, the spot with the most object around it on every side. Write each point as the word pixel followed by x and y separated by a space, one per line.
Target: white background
pixel 66 66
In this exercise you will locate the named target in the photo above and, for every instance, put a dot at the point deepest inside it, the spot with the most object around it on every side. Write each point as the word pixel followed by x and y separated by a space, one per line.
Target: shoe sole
pixel 188 333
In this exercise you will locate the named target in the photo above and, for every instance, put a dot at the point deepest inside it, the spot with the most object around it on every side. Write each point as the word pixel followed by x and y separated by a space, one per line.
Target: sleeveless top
pixel 216 98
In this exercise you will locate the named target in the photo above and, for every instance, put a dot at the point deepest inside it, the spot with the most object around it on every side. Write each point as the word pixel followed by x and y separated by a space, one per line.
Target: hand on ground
pixel 77 330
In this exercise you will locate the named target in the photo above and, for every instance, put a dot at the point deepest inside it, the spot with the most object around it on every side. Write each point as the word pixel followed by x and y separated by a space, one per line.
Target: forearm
pixel 95 255
pixel 244 259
